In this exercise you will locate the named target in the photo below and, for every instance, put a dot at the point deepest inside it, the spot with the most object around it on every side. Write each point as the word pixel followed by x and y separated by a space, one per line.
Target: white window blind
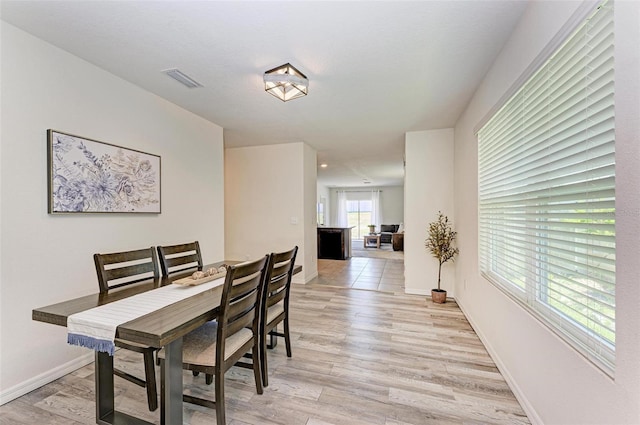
pixel 547 192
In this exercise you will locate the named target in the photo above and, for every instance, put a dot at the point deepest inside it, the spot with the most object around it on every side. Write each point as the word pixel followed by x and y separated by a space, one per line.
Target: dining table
pixel 163 327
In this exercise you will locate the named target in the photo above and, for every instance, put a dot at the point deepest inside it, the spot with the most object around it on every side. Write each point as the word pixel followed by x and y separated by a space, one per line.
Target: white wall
pixel 47 259
pixel 553 382
pixel 428 185
pixel 391 202
pixel 270 203
pixel 309 251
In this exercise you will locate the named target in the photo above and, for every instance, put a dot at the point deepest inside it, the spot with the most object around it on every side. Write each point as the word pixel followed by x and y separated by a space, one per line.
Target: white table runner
pixel 96 328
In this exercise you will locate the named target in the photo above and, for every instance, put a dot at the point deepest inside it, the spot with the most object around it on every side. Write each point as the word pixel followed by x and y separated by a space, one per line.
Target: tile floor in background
pixel 362 273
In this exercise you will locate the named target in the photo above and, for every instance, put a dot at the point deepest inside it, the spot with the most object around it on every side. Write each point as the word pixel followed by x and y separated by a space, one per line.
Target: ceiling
pixel 376 69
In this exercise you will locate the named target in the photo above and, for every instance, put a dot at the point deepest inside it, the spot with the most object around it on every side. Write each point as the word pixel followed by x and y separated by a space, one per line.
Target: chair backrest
pixel 278 279
pixel 177 258
pixel 240 303
pixel 125 268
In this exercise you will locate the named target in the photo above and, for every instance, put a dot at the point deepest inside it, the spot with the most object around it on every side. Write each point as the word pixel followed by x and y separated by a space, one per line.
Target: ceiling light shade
pixel 286 82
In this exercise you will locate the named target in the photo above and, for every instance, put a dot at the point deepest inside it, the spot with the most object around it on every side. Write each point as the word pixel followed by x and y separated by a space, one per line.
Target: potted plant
pixel 372 229
pixel 440 243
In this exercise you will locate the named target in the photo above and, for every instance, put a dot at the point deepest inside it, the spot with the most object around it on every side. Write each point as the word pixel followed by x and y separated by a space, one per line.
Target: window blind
pixel 547 192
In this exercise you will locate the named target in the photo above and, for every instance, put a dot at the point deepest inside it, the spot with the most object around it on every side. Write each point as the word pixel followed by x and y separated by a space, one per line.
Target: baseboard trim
pixel 304 280
pixel 45 378
pixel 311 277
pixel 528 408
pixel 412 291
pixel 426 293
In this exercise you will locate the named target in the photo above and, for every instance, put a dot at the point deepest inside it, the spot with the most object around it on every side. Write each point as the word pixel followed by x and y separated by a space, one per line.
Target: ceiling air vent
pixel 182 78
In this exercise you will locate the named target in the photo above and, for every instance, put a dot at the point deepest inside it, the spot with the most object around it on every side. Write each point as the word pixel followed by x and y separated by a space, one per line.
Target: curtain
pixel 376 211
pixel 341 216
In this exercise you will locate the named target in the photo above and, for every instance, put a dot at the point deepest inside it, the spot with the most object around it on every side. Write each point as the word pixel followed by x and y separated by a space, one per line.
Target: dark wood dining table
pixel 164 327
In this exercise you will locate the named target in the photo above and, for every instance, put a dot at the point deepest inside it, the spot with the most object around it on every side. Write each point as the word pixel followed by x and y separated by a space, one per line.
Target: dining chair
pixel 275 304
pixel 216 346
pixel 120 269
pixel 178 258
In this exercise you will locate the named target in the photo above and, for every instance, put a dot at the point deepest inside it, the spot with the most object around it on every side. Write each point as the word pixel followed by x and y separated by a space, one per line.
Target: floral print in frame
pixel 88 176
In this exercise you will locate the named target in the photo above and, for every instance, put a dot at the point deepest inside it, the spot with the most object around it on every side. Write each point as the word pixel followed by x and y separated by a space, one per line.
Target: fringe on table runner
pixel 103 345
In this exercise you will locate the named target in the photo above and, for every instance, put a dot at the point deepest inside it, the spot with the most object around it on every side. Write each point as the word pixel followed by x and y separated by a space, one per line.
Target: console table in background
pixel 334 243
pixel 398 241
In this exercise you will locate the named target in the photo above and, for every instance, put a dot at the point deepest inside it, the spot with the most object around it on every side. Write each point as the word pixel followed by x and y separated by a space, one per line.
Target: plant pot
pixel 438 296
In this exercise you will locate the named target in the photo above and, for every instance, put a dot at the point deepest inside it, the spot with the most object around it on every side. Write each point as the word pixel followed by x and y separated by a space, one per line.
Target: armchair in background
pixel 386 230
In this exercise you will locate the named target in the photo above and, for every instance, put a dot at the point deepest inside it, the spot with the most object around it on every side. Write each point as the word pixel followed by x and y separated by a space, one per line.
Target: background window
pixel 359 215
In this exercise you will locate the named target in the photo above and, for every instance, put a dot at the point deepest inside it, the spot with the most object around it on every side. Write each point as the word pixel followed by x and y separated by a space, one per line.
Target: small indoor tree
pixel 440 242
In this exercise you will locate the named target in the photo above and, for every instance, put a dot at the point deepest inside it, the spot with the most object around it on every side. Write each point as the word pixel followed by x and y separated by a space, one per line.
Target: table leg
pixel 171 383
pixel 104 386
pixel 106 413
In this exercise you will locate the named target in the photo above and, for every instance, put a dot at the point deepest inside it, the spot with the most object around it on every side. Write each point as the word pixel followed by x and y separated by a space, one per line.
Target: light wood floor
pixel 360 356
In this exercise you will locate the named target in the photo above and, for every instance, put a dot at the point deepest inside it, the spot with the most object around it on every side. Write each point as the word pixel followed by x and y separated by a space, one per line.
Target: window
pixel 320 213
pixel 546 168
pixel 358 209
pixel 359 216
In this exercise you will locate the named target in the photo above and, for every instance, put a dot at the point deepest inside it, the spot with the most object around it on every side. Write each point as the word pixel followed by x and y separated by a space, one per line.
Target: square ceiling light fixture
pixel 286 82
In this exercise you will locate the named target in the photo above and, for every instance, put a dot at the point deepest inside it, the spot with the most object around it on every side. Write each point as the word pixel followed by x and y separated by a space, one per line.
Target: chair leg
pixel 208 379
pixel 256 366
pixel 273 338
pixel 287 338
pixel 220 414
pixel 150 376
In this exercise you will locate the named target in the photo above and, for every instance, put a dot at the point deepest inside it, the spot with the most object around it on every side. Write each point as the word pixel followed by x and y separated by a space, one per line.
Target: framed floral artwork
pixel 88 176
